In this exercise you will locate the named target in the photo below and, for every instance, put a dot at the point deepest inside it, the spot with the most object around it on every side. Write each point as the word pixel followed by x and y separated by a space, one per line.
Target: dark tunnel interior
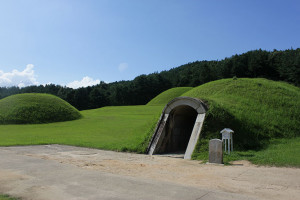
pixel 178 130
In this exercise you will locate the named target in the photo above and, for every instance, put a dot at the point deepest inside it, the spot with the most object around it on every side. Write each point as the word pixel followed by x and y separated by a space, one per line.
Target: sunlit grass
pixel 280 152
pixel 117 128
pixel 35 108
pixel 166 96
pixel 265 116
pixel 258 110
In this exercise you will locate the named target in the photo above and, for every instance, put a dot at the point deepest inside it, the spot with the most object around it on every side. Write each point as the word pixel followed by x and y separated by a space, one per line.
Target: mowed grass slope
pixel 264 114
pixel 120 128
pixel 256 109
pixel 166 96
pixel 35 108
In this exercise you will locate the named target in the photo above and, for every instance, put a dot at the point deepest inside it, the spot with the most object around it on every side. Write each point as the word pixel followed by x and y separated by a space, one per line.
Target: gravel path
pixel 66 172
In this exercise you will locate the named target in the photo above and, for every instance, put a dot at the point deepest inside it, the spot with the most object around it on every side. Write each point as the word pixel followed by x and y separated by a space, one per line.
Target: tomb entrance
pixel 179 127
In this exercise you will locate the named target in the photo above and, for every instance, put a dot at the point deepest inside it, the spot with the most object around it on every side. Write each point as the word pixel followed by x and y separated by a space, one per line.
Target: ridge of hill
pixel 168 95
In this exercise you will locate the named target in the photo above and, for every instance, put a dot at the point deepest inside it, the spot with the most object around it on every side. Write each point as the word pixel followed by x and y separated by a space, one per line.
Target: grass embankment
pixel 120 128
pixel 166 96
pixel 256 109
pixel 261 112
pixel 280 152
pixel 35 109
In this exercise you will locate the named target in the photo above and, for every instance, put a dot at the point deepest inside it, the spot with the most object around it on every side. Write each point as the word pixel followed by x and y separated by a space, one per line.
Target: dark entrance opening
pixel 178 130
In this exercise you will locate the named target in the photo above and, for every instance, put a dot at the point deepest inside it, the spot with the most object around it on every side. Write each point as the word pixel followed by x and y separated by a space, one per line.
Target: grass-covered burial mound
pixel 256 109
pixel 35 109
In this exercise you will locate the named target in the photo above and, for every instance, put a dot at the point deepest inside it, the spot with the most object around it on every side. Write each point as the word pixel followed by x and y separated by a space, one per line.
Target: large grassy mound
pixel 35 109
pixel 166 96
pixel 256 109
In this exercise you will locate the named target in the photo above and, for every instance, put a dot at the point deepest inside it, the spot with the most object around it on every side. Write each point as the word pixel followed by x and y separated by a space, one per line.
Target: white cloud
pixel 18 78
pixel 122 67
pixel 86 81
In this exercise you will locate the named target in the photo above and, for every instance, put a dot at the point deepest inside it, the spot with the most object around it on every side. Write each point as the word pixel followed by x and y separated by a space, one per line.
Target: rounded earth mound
pixel 256 109
pixel 35 108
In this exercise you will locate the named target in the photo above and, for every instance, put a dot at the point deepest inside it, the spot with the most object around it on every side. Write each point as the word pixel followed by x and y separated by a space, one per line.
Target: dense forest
pixel 274 65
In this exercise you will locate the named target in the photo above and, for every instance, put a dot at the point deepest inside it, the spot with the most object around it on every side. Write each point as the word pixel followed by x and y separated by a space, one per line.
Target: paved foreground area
pixel 49 172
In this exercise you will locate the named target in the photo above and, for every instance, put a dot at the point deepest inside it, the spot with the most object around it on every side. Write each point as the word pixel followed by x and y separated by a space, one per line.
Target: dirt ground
pixel 240 178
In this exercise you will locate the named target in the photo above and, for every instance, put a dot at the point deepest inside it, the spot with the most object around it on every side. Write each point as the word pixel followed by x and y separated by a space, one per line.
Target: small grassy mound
pixel 35 109
pixel 166 96
pixel 256 109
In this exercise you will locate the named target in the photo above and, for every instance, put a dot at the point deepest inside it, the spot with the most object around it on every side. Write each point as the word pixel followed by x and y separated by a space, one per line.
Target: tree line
pixel 274 65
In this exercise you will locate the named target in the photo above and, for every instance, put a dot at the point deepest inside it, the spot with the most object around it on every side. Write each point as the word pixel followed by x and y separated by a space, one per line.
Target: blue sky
pixel 62 41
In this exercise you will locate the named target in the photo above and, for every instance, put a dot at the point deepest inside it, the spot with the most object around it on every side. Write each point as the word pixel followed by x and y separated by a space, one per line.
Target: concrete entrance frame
pixel 179 108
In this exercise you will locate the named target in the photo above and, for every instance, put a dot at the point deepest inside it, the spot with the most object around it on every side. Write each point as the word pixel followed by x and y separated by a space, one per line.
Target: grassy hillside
pixel 120 128
pixel 166 96
pixel 256 109
pixel 35 109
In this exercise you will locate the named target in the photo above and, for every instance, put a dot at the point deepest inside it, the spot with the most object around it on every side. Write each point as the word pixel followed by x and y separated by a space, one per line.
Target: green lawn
pixel 280 152
pixel 6 197
pixel 115 128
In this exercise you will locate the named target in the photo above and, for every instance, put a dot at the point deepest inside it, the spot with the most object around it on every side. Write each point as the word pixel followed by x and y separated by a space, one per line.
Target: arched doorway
pixel 179 127
pixel 178 130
